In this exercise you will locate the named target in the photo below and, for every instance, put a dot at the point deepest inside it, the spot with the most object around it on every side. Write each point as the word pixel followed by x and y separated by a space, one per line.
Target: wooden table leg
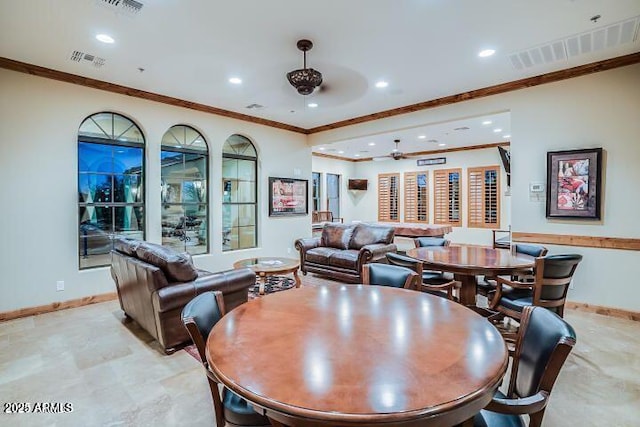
pixel 263 282
pixel 297 279
pixel 468 289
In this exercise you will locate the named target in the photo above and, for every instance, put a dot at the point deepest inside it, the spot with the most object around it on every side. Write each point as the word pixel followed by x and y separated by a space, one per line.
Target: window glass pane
pixel 247 237
pixel 181 136
pixel 229 168
pixel 127 189
pixel 94 188
pixel 238 144
pixel 129 218
pixel 247 215
pixel 127 160
pixel 98 126
pixel 247 170
pixel 230 191
pixel 94 157
pixel 246 191
pixel 195 166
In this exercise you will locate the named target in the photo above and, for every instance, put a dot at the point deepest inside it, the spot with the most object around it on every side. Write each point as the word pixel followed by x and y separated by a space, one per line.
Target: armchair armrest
pixel 513 283
pixel 526 405
pixel 304 245
pixel 178 295
pixel 375 251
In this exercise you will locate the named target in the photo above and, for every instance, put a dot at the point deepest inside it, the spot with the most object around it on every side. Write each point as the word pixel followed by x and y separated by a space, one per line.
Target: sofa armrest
pixel 179 294
pixel 375 251
pixel 304 245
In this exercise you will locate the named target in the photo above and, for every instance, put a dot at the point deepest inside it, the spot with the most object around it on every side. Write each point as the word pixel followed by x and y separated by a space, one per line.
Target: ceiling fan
pixel 396 154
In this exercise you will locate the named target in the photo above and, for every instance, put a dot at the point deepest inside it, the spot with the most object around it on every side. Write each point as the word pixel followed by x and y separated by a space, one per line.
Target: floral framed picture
pixel 574 183
pixel 288 196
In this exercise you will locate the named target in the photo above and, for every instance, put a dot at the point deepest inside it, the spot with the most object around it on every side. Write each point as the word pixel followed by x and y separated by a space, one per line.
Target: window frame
pixel 185 150
pixel 109 142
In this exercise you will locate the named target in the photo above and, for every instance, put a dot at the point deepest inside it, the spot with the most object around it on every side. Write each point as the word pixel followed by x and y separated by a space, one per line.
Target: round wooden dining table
pixel 468 261
pixel 358 355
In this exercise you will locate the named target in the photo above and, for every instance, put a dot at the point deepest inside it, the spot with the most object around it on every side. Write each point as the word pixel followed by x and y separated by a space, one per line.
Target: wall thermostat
pixel 536 187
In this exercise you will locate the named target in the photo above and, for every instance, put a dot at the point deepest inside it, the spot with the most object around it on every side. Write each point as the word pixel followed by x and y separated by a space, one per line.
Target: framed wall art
pixel 574 183
pixel 288 196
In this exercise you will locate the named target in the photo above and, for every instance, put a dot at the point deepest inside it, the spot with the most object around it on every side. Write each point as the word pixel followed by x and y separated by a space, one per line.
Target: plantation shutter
pixel 416 197
pixel 447 197
pixel 484 197
pixel 388 185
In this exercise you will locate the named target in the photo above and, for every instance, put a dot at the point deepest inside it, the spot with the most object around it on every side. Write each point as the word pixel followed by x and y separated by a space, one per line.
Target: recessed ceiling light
pixel 381 84
pixel 395 150
pixel 497 130
pixel 486 52
pixel 104 38
pixel 487 122
pixel 442 144
pixel 235 80
pixel 312 105
pixel 422 136
pixel 506 136
pixel 356 155
pixel 321 148
pixel 340 152
pixel 371 144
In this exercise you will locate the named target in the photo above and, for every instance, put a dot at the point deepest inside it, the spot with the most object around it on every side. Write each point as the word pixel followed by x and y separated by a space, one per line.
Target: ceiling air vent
pixel 81 57
pixel 462 128
pixel 611 36
pixel 254 106
pixel 130 7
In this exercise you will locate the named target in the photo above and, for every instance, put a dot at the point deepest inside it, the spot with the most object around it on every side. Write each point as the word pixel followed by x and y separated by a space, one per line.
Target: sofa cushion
pixel 347 258
pixel 320 255
pixel 336 235
pixel 364 234
pixel 177 267
pixel 126 245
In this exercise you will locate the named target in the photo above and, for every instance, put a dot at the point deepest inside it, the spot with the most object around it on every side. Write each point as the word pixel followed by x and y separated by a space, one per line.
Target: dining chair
pixel 199 316
pixel 543 343
pixel 488 284
pixel 552 276
pixel 422 242
pixel 432 282
pixel 389 275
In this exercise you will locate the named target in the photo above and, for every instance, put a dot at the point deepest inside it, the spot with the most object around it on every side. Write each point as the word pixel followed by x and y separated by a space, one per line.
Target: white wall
pixel 38 196
pixel 346 170
pixel 598 110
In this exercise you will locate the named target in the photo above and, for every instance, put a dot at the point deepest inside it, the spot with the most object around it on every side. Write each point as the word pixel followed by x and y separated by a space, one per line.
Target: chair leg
pixel 217 403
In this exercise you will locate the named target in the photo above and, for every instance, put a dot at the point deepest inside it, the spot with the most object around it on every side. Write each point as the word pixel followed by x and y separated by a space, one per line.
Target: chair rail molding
pixel 629 244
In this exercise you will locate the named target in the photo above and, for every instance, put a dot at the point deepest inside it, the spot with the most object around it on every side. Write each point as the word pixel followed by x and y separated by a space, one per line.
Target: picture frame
pixel 574 188
pixel 288 196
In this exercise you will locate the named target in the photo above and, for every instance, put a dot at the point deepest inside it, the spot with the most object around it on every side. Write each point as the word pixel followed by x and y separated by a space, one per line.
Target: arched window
pixel 239 194
pixel 110 185
pixel 184 163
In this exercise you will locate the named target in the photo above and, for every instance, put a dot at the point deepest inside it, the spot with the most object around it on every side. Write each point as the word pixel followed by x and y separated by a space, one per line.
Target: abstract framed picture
pixel 574 183
pixel 288 196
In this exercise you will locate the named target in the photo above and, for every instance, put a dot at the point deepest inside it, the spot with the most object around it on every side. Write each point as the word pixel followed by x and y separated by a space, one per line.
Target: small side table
pixel 270 266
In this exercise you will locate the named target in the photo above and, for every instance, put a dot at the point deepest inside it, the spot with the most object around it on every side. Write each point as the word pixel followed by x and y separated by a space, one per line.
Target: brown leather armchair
pixel 343 249
pixel 154 283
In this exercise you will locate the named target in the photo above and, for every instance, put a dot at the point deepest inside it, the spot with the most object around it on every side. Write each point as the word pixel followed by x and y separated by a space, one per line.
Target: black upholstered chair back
pixel 404 261
pixel 553 276
pixel 421 242
pixel 200 316
pixel 544 342
pixel 535 251
pixel 389 275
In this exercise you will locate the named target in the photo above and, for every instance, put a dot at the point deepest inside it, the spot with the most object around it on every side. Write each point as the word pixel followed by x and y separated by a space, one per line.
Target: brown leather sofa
pixel 154 283
pixel 343 249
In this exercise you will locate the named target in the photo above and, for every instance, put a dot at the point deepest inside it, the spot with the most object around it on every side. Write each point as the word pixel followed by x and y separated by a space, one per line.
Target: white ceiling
pixel 425 49
pixel 459 133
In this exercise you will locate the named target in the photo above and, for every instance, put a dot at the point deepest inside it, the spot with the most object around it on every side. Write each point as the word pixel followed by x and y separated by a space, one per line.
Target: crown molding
pixel 552 77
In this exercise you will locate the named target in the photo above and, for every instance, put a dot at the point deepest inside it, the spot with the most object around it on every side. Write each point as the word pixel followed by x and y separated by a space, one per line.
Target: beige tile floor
pixel 114 375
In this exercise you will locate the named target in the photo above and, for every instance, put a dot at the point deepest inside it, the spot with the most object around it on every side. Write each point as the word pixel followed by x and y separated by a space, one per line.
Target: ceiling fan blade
pixel 381 158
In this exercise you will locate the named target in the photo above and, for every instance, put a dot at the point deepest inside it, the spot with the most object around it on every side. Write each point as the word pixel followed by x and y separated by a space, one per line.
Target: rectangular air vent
pixel 129 7
pixel 590 41
pixel 82 57
pixel 254 106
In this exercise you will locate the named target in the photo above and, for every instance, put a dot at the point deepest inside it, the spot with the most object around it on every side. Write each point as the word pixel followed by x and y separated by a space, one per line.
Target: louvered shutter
pixel 388 185
pixel 484 197
pixel 416 197
pixel 447 197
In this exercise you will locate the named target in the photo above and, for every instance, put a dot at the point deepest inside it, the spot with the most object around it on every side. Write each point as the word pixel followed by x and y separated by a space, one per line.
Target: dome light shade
pixel 305 80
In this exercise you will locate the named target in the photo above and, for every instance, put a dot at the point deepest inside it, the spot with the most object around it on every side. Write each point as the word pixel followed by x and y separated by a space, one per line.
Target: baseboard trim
pixel 605 311
pixel 56 306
